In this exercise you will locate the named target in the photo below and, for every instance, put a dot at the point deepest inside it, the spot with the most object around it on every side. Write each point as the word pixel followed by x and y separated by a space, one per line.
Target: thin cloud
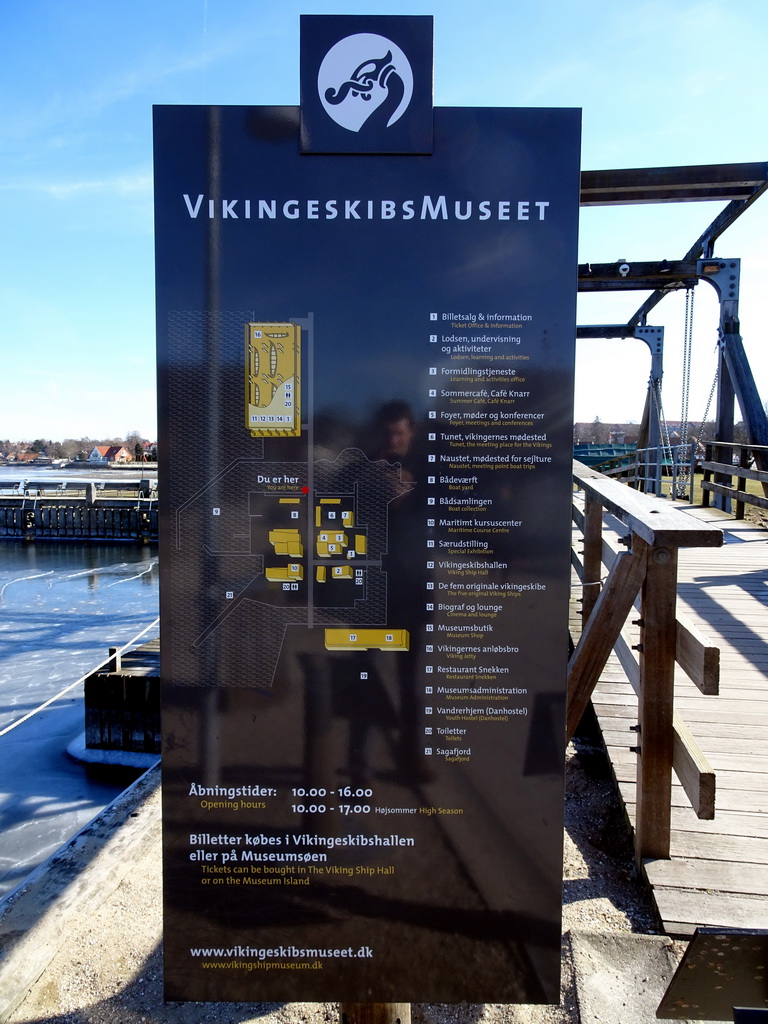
pixel 60 112
pixel 138 184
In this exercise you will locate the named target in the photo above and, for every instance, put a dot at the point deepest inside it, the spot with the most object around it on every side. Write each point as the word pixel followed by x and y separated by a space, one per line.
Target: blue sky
pixel 660 84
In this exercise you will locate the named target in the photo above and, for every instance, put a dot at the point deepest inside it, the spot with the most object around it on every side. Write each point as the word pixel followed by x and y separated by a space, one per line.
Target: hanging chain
pixel 666 447
pixel 687 352
pixel 706 411
pixel 679 462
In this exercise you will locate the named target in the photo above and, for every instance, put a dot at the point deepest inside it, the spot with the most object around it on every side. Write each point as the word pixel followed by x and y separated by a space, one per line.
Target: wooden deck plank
pixel 726 778
pixel 734 730
pixel 755 782
pixel 749 689
pixel 725 823
pixel 619 736
pixel 683 910
pixel 729 798
pixel 688 873
pixel 726 763
pixel 730 801
pixel 733 849
pixel 722 707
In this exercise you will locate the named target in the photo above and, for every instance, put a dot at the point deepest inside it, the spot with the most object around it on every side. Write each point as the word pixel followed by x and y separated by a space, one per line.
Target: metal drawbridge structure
pixel 671 636
pixel 739 184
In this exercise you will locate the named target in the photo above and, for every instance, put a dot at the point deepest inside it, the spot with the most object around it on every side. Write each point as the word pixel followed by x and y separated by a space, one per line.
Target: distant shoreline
pixel 87 470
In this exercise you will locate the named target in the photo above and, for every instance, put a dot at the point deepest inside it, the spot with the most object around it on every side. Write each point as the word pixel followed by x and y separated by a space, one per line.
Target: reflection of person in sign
pixel 394 430
pixel 394 433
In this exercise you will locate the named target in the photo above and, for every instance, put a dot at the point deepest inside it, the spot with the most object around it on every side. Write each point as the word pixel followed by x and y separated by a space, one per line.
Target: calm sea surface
pixel 61 607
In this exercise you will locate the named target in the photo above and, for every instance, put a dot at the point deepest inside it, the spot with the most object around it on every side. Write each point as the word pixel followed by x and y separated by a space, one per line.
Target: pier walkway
pixel 717 873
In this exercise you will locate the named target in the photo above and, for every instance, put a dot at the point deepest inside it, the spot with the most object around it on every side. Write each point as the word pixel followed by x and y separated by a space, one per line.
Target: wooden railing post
pixel 603 629
pixel 593 556
pixel 375 1013
pixel 706 476
pixel 658 638
pixel 741 481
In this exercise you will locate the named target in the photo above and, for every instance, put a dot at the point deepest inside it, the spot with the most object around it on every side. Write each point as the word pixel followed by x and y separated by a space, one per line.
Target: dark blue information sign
pixel 365 390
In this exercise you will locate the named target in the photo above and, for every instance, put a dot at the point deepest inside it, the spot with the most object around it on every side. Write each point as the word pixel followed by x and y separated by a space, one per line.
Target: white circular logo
pixel 363 74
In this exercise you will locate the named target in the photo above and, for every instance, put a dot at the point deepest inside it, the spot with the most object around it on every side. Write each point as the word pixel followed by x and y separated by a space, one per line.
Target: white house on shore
pixel 110 453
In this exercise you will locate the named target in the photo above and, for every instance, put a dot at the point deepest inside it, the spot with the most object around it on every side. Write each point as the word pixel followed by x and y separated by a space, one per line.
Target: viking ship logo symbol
pixel 365 81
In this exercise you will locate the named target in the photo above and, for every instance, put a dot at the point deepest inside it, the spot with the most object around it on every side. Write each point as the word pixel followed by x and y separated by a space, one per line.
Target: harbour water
pixel 62 605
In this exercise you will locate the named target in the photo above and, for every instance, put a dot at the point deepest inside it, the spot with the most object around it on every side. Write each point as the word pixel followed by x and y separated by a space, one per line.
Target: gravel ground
pixel 110 968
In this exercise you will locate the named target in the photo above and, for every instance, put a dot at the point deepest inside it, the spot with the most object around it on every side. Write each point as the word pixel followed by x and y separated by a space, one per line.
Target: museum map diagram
pixel 282 543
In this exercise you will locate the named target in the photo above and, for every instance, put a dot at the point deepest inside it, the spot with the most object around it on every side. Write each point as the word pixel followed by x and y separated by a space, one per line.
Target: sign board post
pixel 365 375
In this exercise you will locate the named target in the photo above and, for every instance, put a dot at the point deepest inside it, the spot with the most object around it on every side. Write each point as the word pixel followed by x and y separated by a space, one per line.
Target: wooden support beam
pixel 697 656
pixel 113 665
pixel 658 637
pixel 694 771
pixel 601 632
pixel 743 471
pixel 593 556
pixel 689 763
pixel 375 1013
pixel 736 495
pixel 627 660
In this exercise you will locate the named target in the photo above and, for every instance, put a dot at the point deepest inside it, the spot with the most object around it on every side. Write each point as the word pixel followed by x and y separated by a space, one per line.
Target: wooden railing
pixel 721 463
pixel 644 576
pixel 672 470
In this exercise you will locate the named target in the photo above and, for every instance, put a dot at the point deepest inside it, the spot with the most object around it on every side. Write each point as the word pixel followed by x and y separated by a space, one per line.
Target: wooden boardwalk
pixel 717 874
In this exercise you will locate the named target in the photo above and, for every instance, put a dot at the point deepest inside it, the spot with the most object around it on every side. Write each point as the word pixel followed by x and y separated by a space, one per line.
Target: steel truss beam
pixel 616 277
pixel 741 184
pixel 737 182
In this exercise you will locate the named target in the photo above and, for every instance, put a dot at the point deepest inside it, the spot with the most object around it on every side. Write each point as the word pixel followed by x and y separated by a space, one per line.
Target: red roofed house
pixel 110 453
